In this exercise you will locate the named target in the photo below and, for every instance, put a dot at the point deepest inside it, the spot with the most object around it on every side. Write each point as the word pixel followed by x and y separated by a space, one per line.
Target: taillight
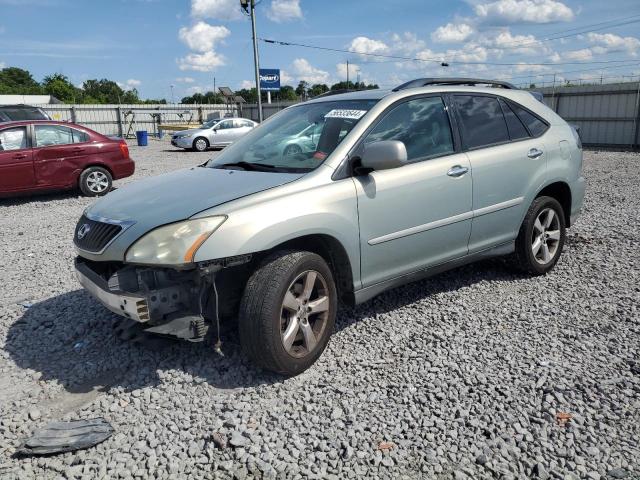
pixel 124 149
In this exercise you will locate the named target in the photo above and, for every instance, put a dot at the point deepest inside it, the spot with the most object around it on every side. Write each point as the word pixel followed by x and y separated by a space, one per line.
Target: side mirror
pixel 383 155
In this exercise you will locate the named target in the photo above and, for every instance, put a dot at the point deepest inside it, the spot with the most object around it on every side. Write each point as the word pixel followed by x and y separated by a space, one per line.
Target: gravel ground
pixel 466 375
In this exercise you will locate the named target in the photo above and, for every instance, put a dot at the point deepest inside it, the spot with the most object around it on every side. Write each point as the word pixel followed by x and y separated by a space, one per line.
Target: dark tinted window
pixel 79 137
pixel 422 124
pixel 23 113
pixel 514 125
pixel 482 121
pixel 536 126
pixel 225 125
pixel 13 139
pixel 53 135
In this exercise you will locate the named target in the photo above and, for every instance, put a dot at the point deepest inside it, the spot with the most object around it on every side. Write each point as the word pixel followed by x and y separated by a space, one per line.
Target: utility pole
pixel 347 74
pixel 249 6
pixel 215 94
pixel 172 97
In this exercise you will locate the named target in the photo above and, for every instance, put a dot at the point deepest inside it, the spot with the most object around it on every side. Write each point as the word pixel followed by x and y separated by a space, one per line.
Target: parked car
pixel 47 155
pixel 214 133
pixel 401 185
pixel 10 113
pixel 302 140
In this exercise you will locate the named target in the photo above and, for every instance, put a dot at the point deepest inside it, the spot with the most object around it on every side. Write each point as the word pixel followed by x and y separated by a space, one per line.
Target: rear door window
pixel 517 130
pixel 13 139
pixel 536 126
pixel 482 121
pixel 47 135
pixel 421 124
pixel 78 136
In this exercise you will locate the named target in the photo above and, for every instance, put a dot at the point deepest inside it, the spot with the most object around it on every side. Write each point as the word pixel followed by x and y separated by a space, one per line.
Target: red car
pixel 38 155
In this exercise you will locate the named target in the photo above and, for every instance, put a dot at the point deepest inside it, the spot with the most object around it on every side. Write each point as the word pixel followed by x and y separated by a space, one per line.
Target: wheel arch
pixel 561 191
pixel 333 252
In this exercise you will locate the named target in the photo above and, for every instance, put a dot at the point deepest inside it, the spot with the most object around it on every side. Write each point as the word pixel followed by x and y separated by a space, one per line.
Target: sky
pixel 154 44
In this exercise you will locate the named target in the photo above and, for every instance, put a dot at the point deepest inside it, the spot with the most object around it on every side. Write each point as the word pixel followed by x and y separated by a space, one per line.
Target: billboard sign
pixel 270 79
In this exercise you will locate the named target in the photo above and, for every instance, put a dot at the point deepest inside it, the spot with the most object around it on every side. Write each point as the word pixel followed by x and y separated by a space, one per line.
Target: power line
pixel 513 45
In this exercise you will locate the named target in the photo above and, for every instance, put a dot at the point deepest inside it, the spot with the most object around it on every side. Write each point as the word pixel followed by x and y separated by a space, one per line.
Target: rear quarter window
pixel 535 125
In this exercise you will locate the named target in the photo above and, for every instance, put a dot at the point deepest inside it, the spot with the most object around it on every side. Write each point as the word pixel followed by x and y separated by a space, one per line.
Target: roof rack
pixel 335 92
pixel 424 82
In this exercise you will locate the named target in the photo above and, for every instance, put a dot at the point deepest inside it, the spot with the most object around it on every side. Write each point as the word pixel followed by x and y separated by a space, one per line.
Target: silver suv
pixel 400 185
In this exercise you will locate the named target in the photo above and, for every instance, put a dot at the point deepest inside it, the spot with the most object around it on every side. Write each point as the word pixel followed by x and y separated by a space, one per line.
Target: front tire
pixel 541 237
pixel 95 181
pixel 287 312
pixel 200 144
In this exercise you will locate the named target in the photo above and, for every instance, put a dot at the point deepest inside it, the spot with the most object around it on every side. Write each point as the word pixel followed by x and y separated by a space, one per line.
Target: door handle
pixel 457 171
pixel 534 153
pixel 19 156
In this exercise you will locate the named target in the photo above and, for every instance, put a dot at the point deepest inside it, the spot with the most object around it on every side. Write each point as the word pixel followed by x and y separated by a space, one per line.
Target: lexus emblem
pixel 83 230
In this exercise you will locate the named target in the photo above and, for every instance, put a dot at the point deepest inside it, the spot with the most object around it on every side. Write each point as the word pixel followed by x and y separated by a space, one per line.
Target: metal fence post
pixel 73 114
pixel 636 121
pixel 119 119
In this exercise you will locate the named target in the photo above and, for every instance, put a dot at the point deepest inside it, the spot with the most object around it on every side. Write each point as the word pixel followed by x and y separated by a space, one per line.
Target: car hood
pixel 191 131
pixel 181 194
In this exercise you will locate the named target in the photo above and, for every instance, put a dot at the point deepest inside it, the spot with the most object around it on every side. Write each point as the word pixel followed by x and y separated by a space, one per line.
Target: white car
pixel 214 133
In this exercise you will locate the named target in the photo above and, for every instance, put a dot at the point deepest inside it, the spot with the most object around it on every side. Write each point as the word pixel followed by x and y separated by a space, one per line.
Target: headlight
pixel 174 244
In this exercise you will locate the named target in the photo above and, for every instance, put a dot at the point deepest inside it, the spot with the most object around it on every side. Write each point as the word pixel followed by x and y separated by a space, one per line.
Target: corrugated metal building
pixel 28 99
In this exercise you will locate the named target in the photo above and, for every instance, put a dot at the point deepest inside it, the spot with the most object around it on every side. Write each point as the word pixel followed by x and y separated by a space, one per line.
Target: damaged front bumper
pixel 167 301
pixel 128 305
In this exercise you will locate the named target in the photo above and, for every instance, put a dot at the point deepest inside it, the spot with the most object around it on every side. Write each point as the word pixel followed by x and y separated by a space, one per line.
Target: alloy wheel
pixel 97 182
pixel 304 313
pixel 546 236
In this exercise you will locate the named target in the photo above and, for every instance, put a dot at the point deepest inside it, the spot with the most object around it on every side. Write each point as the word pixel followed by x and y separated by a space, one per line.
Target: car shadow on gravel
pixel 39 197
pixel 70 339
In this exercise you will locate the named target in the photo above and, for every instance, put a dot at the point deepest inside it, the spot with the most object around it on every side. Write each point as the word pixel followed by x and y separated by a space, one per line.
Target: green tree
pixel 353 86
pixel 302 89
pixel 107 91
pixel 60 87
pixel 287 93
pixel 16 81
pixel 318 89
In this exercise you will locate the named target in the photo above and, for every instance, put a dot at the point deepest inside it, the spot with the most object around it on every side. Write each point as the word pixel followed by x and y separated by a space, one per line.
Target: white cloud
pixel 609 42
pixel 185 80
pixel 133 83
pixel 504 42
pixel 195 89
pixel 577 55
pixel 248 84
pixel 367 45
pixel 204 62
pixel 407 43
pixel 284 11
pixel 217 9
pixel 2 64
pixel 285 78
pixel 524 11
pixel 452 33
pixel 203 37
pixel 303 70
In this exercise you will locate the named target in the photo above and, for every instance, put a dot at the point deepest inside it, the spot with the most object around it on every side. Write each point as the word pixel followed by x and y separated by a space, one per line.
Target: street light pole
pixel 255 58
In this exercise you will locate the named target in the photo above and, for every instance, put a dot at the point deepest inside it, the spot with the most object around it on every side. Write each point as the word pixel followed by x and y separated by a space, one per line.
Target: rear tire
pixel 287 312
pixel 541 237
pixel 95 181
pixel 200 144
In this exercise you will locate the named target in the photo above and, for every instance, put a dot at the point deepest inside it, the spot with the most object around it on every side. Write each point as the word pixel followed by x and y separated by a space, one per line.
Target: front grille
pixel 97 235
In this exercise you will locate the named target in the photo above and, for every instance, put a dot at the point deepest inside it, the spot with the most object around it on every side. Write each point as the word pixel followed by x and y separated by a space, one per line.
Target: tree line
pixel 287 93
pixel 16 81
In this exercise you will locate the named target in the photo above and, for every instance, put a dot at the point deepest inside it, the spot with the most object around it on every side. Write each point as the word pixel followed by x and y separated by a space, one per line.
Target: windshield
pixel 298 139
pixel 209 123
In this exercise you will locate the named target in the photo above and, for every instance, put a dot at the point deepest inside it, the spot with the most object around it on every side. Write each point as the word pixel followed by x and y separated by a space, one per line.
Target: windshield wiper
pixel 265 167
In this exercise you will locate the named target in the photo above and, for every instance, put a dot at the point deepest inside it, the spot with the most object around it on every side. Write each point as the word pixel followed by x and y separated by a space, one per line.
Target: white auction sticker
pixel 339 113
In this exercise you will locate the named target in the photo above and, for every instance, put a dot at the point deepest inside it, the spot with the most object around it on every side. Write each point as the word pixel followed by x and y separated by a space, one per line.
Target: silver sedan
pixel 214 133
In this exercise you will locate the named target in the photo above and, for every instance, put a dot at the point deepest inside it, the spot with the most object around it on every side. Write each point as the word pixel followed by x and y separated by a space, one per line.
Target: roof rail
pixel 424 82
pixel 335 92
